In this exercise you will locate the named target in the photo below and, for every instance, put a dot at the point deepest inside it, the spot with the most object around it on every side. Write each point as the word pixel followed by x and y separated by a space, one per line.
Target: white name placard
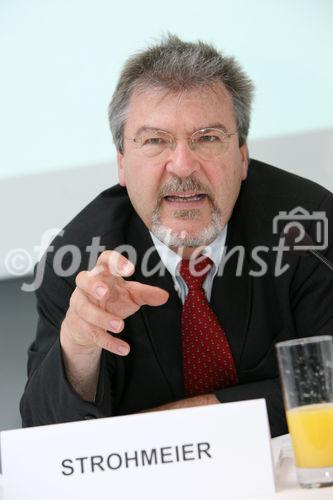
pixel 215 452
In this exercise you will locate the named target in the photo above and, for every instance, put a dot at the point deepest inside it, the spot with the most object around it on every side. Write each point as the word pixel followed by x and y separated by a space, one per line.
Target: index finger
pixel 115 263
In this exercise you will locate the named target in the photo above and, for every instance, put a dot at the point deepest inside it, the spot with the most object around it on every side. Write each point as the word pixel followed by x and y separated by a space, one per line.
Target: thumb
pixel 147 295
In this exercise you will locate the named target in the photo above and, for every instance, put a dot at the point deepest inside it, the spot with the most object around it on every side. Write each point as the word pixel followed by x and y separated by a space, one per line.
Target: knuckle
pixel 94 335
pixel 98 337
pixel 79 278
pixel 77 307
pixel 74 322
pixel 82 307
pixel 72 300
pixel 69 314
pixel 95 317
pixel 91 314
pixel 109 344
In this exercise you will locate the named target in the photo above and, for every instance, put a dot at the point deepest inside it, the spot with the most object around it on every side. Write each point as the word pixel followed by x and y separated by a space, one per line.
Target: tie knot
pixel 194 272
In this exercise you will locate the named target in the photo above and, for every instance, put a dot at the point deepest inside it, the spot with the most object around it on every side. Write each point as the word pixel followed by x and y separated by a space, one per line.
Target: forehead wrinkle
pixel 162 94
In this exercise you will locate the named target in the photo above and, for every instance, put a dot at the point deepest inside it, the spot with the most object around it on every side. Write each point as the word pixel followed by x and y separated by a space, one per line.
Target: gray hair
pixel 177 66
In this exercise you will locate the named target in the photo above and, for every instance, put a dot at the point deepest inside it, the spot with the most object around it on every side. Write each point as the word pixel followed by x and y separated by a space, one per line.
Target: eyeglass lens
pixel 208 143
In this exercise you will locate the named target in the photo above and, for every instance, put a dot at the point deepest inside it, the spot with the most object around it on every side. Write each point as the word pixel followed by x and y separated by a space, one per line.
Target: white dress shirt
pixel 171 261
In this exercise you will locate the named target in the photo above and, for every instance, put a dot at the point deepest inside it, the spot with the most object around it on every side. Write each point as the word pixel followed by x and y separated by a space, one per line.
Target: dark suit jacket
pixel 256 312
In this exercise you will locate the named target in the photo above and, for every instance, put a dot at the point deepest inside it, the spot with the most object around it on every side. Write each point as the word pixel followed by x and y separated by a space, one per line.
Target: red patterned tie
pixel 207 360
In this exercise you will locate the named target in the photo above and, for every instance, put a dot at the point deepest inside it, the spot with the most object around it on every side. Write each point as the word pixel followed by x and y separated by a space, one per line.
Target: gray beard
pixel 181 239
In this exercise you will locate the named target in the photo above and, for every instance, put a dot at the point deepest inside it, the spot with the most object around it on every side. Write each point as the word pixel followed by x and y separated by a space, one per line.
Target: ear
pixel 244 159
pixel 121 172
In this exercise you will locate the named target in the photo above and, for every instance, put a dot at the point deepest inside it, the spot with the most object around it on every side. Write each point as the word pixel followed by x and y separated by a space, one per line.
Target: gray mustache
pixel 189 184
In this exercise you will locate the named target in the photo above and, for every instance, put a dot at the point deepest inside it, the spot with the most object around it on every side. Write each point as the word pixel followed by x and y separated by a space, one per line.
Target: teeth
pixel 185 198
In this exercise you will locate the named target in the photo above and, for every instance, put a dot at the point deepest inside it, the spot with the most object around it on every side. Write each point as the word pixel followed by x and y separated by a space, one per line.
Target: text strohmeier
pixel 136 458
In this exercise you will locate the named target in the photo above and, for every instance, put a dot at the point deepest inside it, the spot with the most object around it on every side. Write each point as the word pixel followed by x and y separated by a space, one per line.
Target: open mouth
pixel 185 198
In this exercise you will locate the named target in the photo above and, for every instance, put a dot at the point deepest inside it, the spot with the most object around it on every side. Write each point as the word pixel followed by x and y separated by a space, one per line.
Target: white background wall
pixel 60 61
pixel 59 65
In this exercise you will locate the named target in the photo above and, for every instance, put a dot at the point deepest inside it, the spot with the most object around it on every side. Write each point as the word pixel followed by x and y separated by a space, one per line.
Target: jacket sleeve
pixel 48 397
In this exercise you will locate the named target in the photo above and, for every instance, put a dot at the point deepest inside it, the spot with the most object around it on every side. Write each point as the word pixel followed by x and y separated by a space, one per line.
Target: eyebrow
pixel 214 125
pixel 144 128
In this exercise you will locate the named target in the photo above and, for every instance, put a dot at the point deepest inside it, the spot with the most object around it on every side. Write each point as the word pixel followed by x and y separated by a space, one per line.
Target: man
pixel 122 339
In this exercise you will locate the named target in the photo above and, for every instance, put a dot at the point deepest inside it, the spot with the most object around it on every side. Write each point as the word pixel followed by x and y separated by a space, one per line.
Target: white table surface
pixel 285 474
pixel 287 487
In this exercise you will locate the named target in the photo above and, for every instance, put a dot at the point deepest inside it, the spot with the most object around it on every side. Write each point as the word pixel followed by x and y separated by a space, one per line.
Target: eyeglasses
pixel 208 143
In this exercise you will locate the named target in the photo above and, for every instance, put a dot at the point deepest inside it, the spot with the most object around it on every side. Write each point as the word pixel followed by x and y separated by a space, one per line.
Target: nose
pixel 182 161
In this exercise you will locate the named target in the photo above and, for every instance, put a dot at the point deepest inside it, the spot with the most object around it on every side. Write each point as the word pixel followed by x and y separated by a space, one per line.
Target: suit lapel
pixel 162 323
pixel 231 292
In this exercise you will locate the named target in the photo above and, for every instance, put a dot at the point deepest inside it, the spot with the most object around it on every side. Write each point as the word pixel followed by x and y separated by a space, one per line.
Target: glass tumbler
pixel 306 372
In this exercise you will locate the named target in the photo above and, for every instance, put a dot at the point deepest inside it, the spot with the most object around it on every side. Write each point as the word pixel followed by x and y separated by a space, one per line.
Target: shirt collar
pixel 171 259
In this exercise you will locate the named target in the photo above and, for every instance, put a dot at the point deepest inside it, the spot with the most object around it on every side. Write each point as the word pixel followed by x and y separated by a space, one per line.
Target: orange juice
pixel 311 429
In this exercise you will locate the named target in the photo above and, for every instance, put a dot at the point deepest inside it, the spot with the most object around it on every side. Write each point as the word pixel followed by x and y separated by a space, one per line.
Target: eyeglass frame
pixel 189 138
